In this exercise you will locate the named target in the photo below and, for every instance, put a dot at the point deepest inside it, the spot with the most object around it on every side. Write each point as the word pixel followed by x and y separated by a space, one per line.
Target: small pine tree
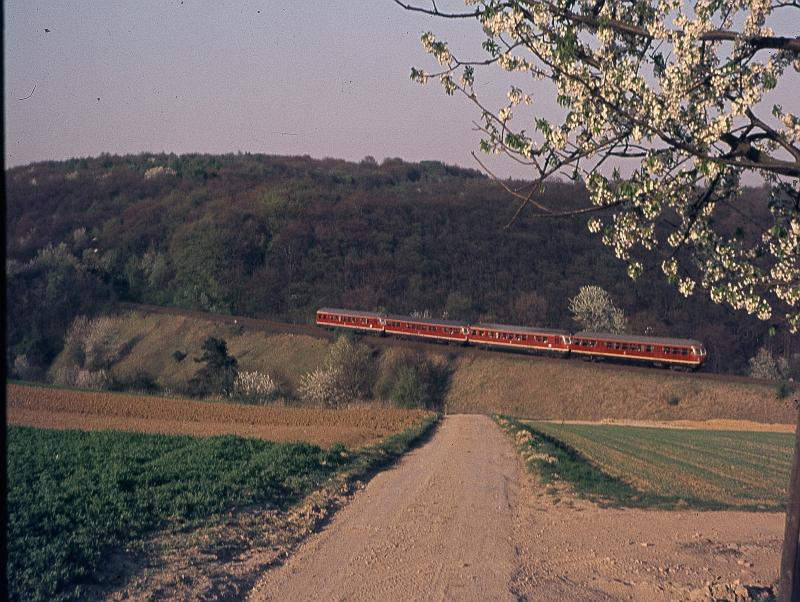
pixel 218 376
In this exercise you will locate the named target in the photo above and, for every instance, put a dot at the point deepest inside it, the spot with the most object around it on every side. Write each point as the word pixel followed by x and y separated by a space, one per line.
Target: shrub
pixel 674 400
pixel 24 370
pixel 345 376
pixel 141 381
pixel 255 387
pixel 100 345
pixel 410 379
pixel 784 389
pixel 218 375
pixel 73 376
pixel 179 356
pixel 409 391
pixel 764 365
pixel 93 344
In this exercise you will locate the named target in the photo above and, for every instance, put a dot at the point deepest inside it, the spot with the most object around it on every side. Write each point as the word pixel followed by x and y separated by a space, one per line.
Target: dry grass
pixel 44 407
pixel 154 338
pixel 499 383
pixel 574 390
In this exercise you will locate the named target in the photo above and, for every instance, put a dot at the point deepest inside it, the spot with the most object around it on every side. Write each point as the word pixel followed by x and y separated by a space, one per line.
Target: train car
pixel 361 321
pixel 660 351
pixel 439 330
pixel 522 338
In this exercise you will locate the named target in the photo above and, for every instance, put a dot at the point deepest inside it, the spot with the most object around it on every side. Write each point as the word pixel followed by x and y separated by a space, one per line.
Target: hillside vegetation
pixel 497 383
pixel 281 236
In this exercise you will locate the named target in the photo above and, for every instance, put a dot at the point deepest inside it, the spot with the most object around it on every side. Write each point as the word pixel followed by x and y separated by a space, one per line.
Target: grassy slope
pixel 575 390
pixel 156 337
pixel 501 383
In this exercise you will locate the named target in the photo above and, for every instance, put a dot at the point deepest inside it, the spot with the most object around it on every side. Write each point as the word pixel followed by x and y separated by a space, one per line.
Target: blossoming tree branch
pixel 665 108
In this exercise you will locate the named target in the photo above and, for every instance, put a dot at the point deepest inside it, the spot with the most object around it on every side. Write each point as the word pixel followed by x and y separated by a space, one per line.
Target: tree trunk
pixel 789 587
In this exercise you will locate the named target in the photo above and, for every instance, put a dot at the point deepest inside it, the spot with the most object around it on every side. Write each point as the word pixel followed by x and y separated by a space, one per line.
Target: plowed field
pixel 86 410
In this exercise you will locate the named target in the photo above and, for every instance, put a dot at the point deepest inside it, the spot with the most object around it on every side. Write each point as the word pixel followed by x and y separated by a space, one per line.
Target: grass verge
pixel 76 497
pixel 655 468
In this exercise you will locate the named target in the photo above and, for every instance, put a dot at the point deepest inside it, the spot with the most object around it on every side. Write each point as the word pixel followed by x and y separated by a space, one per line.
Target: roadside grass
pixel 659 467
pixel 75 497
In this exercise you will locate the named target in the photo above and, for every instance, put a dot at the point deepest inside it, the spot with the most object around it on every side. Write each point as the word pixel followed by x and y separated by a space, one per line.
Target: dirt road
pixel 457 519
pixel 438 527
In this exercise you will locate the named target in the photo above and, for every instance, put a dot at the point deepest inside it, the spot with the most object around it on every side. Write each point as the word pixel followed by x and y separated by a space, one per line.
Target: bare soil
pixel 458 519
pixel 88 410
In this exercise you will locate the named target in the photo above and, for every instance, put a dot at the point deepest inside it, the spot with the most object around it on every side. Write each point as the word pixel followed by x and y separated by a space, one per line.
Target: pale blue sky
pixel 328 79
pixel 278 77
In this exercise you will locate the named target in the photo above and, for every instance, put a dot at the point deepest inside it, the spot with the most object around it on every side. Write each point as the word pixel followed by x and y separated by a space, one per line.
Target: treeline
pixel 282 236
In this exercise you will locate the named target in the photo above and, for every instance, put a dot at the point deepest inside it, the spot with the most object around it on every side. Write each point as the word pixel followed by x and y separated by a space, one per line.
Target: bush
pixel 73 376
pixel 218 375
pixel 413 380
pixel 24 370
pixel 93 344
pixel 179 356
pixel 409 391
pixel 345 376
pixel 764 365
pixel 784 389
pixel 255 387
pixel 141 382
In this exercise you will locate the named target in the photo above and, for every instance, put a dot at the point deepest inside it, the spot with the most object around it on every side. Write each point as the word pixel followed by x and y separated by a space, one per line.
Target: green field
pixel 74 497
pixel 664 467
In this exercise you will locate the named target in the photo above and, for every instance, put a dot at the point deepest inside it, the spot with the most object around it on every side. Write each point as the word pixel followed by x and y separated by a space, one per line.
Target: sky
pixel 325 78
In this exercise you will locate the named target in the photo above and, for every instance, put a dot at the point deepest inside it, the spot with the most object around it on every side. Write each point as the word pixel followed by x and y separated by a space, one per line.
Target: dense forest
pixel 281 236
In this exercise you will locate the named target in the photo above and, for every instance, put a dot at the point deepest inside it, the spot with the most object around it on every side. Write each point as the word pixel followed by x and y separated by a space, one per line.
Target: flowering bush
pixel 346 376
pixel 255 387
pixel 594 310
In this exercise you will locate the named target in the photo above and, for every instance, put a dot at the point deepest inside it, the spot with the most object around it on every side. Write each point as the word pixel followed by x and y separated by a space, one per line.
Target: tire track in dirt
pixel 439 526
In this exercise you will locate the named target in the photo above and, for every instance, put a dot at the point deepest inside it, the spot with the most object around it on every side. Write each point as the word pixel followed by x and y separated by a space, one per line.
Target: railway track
pixel 276 327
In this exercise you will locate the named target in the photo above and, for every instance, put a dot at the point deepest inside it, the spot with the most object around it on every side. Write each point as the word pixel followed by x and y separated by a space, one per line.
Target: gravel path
pixel 457 519
pixel 437 527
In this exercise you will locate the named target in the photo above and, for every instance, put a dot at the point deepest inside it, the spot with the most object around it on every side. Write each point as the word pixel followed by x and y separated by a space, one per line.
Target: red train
pixel 659 351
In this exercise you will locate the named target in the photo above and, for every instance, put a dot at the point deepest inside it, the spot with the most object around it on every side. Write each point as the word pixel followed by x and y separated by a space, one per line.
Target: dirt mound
pixel 86 410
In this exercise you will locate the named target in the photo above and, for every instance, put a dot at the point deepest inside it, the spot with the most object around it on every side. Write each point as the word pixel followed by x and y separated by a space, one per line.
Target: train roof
pixel 524 329
pixel 607 336
pixel 431 321
pixel 350 312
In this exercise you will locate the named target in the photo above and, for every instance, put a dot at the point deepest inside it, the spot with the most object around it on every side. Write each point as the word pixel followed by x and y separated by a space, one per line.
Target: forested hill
pixel 282 236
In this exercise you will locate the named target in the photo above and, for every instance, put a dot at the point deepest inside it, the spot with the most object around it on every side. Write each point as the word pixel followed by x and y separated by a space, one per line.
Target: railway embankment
pixel 162 342
pixel 577 390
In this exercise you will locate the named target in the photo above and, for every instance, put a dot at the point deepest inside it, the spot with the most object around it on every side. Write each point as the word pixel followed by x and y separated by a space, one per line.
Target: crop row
pixel 719 467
